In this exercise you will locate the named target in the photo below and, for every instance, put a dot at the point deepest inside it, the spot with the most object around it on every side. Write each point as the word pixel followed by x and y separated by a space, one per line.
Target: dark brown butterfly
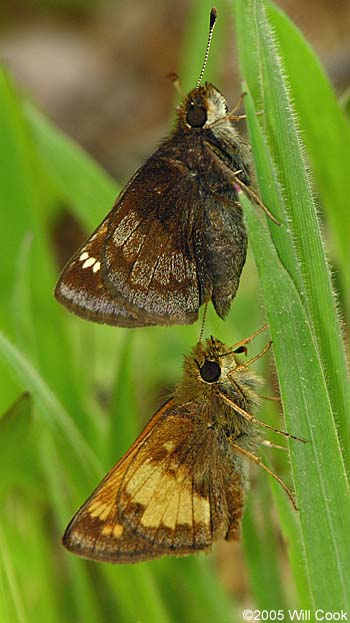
pixel 183 483
pixel 175 238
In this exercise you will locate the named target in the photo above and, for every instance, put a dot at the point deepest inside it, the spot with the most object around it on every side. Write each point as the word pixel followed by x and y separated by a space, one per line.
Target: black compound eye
pixel 210 371
pixel 196 116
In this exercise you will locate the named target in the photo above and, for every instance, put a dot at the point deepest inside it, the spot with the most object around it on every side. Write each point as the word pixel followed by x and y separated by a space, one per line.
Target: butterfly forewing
pixel 149 255
pixel 82 290
pixel 144 264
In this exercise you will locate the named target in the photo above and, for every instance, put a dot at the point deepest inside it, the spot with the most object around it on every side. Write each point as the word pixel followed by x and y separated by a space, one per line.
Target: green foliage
pixel 300 303
pixel 57 443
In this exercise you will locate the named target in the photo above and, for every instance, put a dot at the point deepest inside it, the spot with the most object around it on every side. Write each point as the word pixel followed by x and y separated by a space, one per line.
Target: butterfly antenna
pixel 203 322
pixel 253 359
pixel 240 346
pixel 249 339
pixel 213 16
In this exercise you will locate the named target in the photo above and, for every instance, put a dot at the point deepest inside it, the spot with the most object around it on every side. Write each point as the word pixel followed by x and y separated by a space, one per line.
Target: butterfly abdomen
pixel 225 251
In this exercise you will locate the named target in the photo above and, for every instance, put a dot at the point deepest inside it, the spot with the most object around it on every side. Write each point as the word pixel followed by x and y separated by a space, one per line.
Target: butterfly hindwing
pixel 161 497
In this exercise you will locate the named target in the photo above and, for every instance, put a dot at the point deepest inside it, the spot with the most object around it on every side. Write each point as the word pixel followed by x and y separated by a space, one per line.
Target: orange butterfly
pixel 183 483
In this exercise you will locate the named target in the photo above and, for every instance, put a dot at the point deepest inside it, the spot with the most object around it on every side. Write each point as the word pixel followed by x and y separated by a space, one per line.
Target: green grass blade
pixel 52 412
pixel 325 130
pixel 193 589
pixel 271 193
pixel 260 547
pixel 15 428
pixel 286 152
pixel 12 608
pixel 318 468
pixel 27 270
pixel 290 526
pixel 79 180
pixel 21 303
pixel 85 602
pixel 123 421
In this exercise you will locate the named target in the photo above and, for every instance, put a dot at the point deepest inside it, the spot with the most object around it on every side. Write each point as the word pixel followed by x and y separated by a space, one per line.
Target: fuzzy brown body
pixel 175 238
pixel 182 485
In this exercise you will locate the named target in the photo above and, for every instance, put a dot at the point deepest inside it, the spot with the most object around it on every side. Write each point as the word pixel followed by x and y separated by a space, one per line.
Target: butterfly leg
pixel 235 504
pixel 269 444
pixel 273 398
pixel 238 104
pixel 254 197
pixel 254 420
pixel 234 530
pixel 255 459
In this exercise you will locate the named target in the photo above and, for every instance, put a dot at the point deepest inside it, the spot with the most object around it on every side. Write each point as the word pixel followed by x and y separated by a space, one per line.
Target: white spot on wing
pixel 84 256
pixel 96 267
pixel 89 262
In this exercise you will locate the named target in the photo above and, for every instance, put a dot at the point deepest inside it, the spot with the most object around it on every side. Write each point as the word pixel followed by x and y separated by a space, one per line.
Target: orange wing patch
pixel 151 503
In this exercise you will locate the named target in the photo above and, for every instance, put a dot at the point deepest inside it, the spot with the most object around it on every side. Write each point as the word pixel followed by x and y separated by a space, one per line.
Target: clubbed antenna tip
pixel 213 16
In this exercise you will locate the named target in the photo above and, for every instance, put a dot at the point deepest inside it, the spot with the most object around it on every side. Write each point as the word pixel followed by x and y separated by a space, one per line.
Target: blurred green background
pixel 95 72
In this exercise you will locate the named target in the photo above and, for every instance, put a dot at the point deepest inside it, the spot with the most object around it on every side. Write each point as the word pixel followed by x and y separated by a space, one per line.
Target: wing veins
pixel 156 264
pixel 166 242
pixel 159 545
pixel 177 510
pixel 140 249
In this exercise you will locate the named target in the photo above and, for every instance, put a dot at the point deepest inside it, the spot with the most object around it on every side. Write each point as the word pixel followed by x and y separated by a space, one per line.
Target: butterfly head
pixel 202 107
pixel 213 369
